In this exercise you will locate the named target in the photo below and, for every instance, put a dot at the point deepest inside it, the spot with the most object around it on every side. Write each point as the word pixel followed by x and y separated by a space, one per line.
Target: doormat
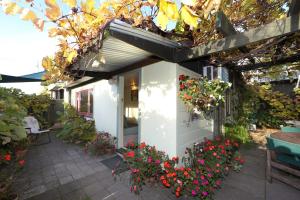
pixel 113 162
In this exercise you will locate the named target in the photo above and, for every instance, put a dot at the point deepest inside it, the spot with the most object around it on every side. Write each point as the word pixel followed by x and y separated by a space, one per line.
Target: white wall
pixel 189 132
pixel 157 104
pixel 105 104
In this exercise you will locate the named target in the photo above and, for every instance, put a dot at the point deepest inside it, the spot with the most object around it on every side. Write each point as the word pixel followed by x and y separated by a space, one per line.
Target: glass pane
pixel 91 101
pixel 84 101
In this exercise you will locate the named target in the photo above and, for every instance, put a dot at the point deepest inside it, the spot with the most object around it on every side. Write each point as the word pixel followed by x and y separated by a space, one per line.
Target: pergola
pixel 125 48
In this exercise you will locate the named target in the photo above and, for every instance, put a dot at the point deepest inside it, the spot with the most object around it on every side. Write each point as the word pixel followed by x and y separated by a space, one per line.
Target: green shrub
pixel 76 129
pixel 12 114
pixel 237 132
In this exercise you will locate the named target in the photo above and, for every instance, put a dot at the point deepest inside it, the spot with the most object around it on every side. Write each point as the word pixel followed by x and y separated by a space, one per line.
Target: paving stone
pixel 52 184
pixel 92 189
pixel 69 187
pixel 34 191
pixel 75 195
pixel 65 179
pixel 48 195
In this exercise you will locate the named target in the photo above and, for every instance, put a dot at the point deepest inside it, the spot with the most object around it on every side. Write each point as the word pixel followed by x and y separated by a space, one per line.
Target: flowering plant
pixel 200 93
pixel 144 163
pixel 204 167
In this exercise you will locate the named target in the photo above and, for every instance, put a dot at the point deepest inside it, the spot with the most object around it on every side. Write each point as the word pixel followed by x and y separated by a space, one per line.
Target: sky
pixel 22 48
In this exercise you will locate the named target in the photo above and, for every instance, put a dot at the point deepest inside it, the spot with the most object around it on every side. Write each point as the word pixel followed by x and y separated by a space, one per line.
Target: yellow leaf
pixel 52 32
pixel 39 23
pixel 53 10
pixel 28 15
pixel 9 7
pixel 71 56
pixel 46 62
pixel 169 9
pixel 188 16
pixel 87 5
pixel 70 3
pixel 172 11
pixel 162 20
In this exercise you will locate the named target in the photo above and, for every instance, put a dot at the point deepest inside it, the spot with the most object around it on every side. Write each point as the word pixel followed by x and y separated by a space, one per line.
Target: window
pixel 84 102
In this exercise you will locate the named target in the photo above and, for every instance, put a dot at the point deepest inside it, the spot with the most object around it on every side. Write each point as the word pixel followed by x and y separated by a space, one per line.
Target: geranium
pixel 7 157
pixel 130 154
pixel 21 163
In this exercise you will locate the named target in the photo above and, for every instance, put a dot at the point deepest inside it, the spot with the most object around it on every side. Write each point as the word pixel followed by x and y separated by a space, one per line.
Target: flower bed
pixel 201 172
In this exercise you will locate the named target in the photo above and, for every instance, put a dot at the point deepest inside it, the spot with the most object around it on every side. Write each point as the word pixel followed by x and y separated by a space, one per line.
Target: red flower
pixel 177 194
pixel 142 145
pixel 181 77
pixel 22 163
pixel 175 159
pixel 167 165
pixel 130 154
pixel 182 86
pixel 7 157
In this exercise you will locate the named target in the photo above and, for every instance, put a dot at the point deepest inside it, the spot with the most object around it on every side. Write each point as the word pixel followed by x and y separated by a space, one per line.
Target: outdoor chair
pixel 290 129
pixel 285 156
pixel 33 128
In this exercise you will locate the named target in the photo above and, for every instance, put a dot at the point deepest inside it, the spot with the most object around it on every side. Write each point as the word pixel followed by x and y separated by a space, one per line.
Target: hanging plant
pixel 201 94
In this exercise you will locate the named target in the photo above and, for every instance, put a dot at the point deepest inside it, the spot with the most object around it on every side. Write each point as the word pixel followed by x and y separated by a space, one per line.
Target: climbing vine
pixel 80 24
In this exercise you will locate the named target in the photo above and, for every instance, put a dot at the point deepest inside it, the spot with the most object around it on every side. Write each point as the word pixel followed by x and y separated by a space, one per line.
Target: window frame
pixel 89 106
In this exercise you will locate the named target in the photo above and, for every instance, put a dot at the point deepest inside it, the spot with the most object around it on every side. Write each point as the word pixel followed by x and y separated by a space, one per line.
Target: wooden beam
pixel 274 29
pixel 289 59
pixel 294 7
pixel 224 26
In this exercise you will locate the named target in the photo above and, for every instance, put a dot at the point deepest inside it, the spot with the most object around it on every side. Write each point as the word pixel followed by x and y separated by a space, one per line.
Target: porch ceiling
pixel 114 55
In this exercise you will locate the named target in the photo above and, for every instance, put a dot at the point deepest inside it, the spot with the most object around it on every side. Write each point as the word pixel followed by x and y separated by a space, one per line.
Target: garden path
pixel 60 171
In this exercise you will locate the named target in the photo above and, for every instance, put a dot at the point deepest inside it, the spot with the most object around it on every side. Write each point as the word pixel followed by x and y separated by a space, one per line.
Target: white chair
pixel 33 128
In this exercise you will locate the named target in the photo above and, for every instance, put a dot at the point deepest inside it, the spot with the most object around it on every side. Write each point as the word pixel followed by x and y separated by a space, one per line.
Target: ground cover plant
pixel 200 173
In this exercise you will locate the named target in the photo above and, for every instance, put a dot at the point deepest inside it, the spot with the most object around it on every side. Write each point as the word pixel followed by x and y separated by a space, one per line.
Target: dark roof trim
pixel 151 42
pixel 97 76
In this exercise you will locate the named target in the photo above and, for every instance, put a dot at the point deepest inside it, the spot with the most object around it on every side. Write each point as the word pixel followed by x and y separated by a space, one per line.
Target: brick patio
pixel 60 171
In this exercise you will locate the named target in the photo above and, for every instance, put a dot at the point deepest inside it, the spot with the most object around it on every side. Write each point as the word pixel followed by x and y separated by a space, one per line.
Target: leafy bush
pixel 12 114
pixel 237 132
pixel 76 129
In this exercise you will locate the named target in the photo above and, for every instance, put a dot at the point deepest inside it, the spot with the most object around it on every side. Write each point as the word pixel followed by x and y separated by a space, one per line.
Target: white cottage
pixel 129 85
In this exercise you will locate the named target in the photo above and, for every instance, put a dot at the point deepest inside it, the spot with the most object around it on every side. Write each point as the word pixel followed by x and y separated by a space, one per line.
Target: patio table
pixel 284 153
pixel 288 137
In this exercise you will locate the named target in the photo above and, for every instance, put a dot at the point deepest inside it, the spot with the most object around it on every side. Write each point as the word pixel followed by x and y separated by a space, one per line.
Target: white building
pixel 130 88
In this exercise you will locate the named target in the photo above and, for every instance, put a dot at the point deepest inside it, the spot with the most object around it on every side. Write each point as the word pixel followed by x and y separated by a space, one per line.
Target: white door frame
pixel 120 113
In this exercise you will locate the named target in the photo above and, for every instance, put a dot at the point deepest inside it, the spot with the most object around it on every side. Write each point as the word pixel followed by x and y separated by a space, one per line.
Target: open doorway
pixel 131 108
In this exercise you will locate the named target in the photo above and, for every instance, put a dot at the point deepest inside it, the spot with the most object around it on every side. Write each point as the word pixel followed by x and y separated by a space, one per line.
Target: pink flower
pixel 194 193
pixel 204 193
pixel 204 182
pixel 201 161
pixel 218 182
pixel 196 182
pixel 149 160
pixel 157 162
pixel 209 175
